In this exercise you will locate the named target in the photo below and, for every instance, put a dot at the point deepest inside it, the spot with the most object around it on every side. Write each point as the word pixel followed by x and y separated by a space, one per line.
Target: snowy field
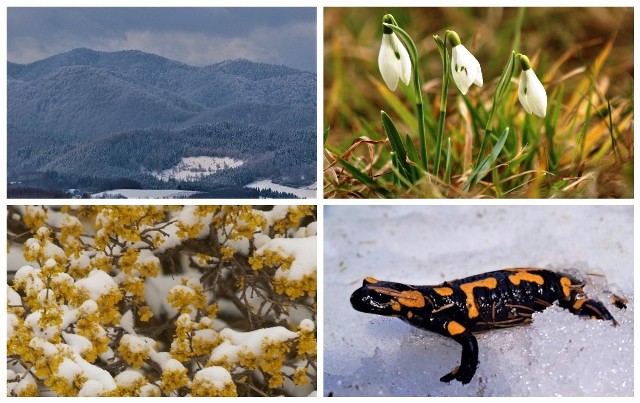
pixel 193 168
pixel 560 354
pixel 308 192
pixel 145 193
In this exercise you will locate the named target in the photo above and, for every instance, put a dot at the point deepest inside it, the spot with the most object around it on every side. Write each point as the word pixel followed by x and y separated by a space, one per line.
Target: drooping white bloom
pixel 465 68
pixel 393 60
pixel 531 93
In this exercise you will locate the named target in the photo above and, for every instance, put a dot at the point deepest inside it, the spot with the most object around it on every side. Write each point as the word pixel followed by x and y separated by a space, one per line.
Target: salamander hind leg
pixel 469 359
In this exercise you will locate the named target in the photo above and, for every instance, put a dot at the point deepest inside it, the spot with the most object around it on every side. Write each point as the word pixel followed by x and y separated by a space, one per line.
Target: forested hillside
pixel 86 115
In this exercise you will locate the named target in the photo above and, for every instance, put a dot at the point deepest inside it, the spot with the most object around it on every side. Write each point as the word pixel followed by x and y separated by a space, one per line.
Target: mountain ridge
pixel 168 93
pixel 86 117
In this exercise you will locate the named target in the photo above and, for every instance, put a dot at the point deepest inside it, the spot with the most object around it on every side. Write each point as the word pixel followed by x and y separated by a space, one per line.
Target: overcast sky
pixel 196 36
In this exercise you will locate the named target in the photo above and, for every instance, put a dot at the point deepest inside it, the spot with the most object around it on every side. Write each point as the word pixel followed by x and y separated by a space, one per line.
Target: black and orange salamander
pixel 493 300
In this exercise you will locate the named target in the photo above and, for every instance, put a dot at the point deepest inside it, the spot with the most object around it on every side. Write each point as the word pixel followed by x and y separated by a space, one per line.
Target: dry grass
pixel 583 148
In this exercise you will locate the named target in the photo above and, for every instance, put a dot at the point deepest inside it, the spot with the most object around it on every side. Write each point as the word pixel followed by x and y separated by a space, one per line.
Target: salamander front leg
pixel 589 307
pixel 469 358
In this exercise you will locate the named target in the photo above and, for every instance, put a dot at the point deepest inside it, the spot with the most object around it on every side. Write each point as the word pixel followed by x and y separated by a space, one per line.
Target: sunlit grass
pixel 582 148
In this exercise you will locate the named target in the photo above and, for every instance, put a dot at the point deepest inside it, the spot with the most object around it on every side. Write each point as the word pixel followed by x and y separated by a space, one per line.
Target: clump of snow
pixel 69 370
pixel 137 344
pixel 307 325
pixel 18 383
pixel 13 298
pixel 30 277
pixel 32 320
pixel 92 388
pixel 126 322
pixel 77 343
pixel 93 372
pixel 53 251
pixel 276 214
pixel 218 377
pixel 302 249
pixel 82 261
pixel 194 168
pixel 173 365
pixel 248 342
pixel 46 295
pixel 97 284
pixel 150 390
pixel 47 348
pixel 12 322
pixel 146 256
pixel 128 378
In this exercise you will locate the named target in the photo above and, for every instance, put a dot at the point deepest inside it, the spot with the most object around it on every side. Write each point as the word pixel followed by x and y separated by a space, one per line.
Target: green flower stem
pixel 417 89
pixel 503 85
pixel 446 66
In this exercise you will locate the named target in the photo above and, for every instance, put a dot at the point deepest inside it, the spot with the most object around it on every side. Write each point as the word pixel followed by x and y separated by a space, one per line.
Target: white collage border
pixel 320 202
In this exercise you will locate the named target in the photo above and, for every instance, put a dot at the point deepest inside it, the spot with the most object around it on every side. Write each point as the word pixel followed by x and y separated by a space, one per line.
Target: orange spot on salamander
pixel 565 282
pixel 443 291
pixel 525 276
pixel 410 299
pixel 468 290
pixel 370 280
pixel 578 304
pixel 454 328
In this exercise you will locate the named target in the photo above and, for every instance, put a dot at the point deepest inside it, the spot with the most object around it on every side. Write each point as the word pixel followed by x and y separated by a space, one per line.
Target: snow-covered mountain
pixel 86 116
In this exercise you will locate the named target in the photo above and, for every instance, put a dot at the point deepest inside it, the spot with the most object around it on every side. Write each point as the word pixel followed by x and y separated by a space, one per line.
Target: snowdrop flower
pixel 532 95
pixel 393 60
pixel 465 68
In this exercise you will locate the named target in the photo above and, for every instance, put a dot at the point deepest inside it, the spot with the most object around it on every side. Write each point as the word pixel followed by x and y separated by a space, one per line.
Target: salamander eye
pixel 369 280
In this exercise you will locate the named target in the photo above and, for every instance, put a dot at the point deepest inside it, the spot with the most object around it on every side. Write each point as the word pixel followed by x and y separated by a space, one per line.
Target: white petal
pixel 465 69
pixel 405 60
pixel 532 94
pixel 388 63
pixel 478 80
pixel 522 92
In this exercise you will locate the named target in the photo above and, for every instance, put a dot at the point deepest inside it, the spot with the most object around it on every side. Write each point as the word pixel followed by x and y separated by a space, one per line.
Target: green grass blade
pixel 396 143
pixel 447 165
pixel 487 161
pixel 412 153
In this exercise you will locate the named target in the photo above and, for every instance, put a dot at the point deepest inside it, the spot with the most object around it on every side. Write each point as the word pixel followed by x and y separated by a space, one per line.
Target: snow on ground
pixel 307 192
pixel 145 193
pixel 193 168
pixel 558 354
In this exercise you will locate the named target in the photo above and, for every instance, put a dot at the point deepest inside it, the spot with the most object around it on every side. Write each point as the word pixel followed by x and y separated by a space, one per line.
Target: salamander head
pixel 388 299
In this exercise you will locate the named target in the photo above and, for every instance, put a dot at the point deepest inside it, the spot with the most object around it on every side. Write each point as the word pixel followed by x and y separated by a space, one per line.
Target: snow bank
pixel 145 194
pixel 558 354
pixel 193 168
pixel 308 192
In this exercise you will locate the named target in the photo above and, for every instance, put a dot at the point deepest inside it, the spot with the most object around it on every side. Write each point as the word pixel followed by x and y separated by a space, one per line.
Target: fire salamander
pixel 493 300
